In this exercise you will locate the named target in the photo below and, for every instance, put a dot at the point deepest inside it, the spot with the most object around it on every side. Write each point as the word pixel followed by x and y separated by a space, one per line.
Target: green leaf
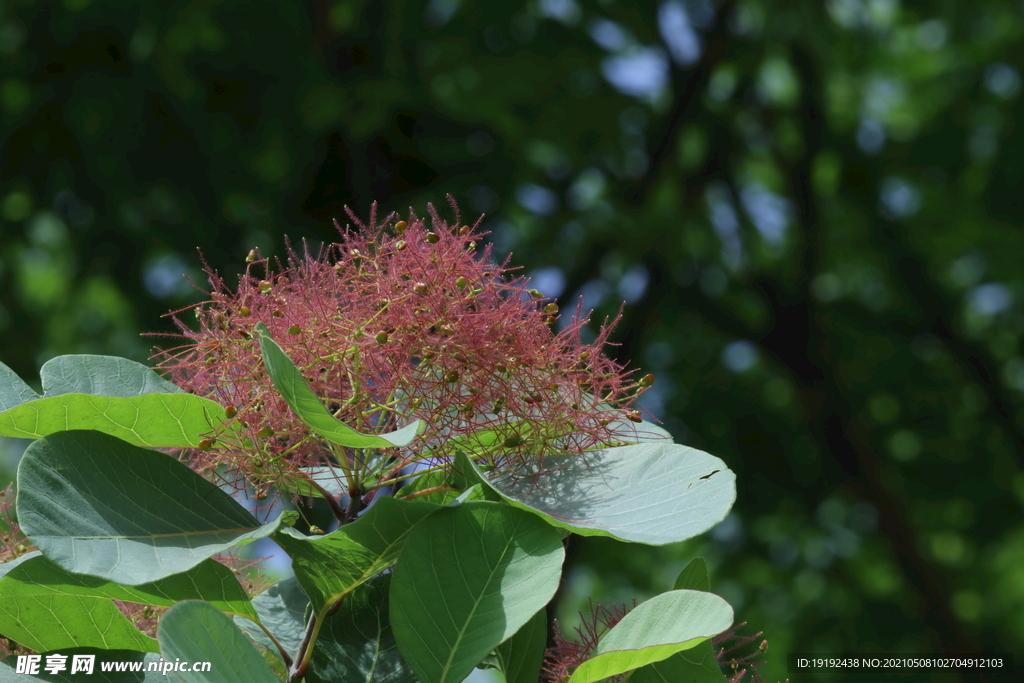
pixel 328 567
pixel 654 631
pixel 653 493
pixel 45 618
pixel 196 631
pixel 694 576
pixel 698 664
pixel 292 386
pixel 112 395
pixel 209 580
pixel 96 505
pixel 467 580
pixel 357 643
pixel 521 657
pixel 282 609
pixel 125 659
pixel 102 376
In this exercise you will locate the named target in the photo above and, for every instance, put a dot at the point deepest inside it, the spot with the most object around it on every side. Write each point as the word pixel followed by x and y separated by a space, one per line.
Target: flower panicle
pixel 399 320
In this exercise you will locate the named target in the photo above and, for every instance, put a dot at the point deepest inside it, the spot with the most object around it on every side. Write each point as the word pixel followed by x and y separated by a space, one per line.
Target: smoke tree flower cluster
pixel 400 321
pixel 458 438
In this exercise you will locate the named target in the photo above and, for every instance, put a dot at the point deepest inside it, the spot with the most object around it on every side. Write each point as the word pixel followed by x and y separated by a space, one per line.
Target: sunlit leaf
pixel 654 631
pixel 112 395
pixel 653 493
pixel 468 579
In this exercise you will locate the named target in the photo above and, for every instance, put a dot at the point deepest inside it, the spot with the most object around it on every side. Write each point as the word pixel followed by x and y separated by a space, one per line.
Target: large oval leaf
pixel 112 395
pixel 97 505
pixel 654 631
pixel 197 632
pixel 654 493
pixel 292 386
pixel 468 579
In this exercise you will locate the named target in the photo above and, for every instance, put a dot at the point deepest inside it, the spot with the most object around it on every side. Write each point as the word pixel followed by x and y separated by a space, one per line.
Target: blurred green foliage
pixel 811 210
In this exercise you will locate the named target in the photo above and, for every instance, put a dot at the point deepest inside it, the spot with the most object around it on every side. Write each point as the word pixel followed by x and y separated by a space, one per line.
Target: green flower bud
pixel 400 227
pixel 551 309
pixel 265 286
pixel 646 380
pixel 382 337
pixel 252 256
pixel 420 288
pixel 512 440
pixel 294 329
pixel 535 293
pixel 461 282
pixel 433 237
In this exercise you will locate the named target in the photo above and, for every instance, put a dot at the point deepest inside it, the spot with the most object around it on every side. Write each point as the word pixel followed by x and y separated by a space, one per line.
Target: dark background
pixel 811 209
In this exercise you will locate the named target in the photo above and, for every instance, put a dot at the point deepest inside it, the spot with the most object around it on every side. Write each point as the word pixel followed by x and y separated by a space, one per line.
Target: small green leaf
pixel 468 579
pixel 328 567
pixel 696 665
pixel 292 386
pixel 130 658
pixel 357 643
pixel 653 493
pixel 654 631
pixel 195 631
pixel 45 619
pixel 96 505
pixel 694 576
pixel 112 395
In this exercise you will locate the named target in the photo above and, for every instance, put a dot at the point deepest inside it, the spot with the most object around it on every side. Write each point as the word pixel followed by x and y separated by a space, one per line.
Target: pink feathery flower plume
pixel 396 322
